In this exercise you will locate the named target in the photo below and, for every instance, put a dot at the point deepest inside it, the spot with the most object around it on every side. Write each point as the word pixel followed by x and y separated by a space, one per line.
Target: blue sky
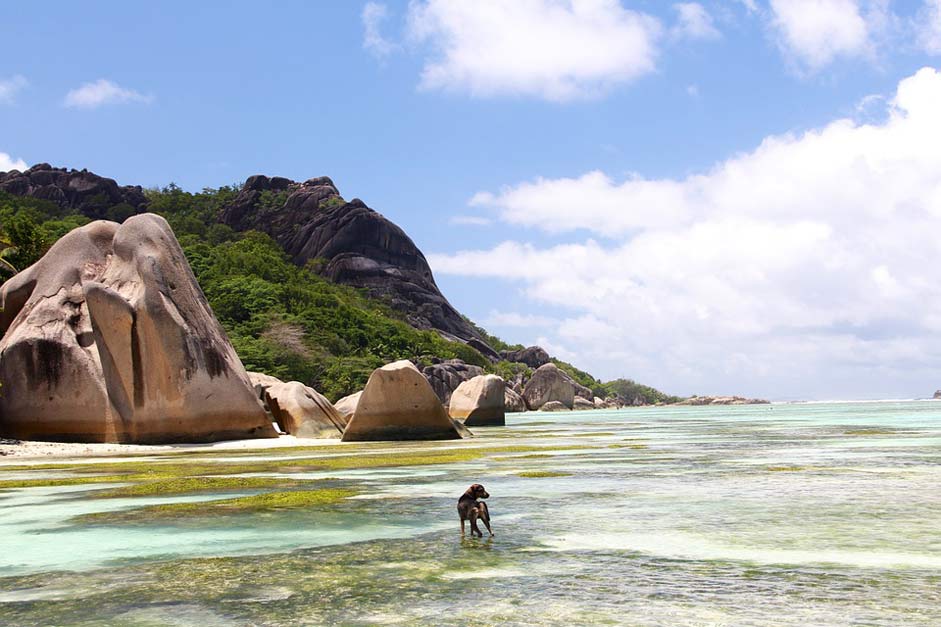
pixel 713 197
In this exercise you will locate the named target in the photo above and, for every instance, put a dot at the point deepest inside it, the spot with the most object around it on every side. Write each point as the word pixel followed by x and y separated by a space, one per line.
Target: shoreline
pixel 17 451
pixel 35 449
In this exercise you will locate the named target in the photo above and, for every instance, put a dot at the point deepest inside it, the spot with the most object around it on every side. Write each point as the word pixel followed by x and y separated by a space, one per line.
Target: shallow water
pixel 811 514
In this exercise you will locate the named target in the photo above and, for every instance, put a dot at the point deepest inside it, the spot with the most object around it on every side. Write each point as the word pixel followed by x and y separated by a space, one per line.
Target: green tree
pixel 25 234
pixel 7 250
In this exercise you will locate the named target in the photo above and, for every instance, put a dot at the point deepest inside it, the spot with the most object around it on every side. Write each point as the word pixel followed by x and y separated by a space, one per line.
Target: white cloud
pixel 7 163
pixel 558 50
pixel 102 92
pixel 813 33
pixel 694 22
pixel 373 15
pixel 928 26
pixel 9 87
pixel 806 267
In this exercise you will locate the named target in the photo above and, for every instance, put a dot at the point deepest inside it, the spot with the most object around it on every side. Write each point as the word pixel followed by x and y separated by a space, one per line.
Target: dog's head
pixel 477 491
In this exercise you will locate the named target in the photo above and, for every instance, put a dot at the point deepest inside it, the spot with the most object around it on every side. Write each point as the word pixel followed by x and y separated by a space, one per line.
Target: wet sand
pixel 23 449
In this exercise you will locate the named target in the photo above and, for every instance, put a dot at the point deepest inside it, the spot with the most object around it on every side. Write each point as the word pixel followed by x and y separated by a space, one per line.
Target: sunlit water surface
pixel 812 514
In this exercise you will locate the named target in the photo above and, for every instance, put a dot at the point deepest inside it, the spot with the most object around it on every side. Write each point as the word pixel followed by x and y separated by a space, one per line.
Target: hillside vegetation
pixel 283 320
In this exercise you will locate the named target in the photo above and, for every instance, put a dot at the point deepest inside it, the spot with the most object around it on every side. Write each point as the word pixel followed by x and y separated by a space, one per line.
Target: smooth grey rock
pixel 548 384
pixel 582 404
pixel 399 404
pixel 303 412
pixel 533 356
pixel 445 376
pixel 480 402
pixel 346 406
pixel 513 402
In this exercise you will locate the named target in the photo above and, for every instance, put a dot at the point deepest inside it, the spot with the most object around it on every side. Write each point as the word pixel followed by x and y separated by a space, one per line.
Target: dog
pixel 472 509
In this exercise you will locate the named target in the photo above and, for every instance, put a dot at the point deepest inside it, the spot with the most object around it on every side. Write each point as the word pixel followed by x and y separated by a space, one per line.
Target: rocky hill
pixel 80 190
pixel 353 244
pixel 358 246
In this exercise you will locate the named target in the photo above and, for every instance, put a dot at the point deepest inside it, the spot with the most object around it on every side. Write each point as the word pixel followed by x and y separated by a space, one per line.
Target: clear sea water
pixel 805 514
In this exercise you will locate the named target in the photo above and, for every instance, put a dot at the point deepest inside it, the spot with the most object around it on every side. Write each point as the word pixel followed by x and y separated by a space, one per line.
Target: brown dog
pixel 470 508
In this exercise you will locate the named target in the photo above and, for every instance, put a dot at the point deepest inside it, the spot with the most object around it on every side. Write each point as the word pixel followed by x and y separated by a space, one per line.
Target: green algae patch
pixel 538 474
pixel 166 473
pixel 61 482
pixel 152 484
pixel 787 468
pixel 871 432
pixel 268 452
pixel 191 485
pixel 267 502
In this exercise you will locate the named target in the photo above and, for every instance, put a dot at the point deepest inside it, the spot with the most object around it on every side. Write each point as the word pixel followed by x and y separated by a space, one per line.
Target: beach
pixel 802 515
pixel 23 451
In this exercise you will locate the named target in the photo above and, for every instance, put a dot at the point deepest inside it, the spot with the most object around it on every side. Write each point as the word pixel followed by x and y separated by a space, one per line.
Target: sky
pixel 736 197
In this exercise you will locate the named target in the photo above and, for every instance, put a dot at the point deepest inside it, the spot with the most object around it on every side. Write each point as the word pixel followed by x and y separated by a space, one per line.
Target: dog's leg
pixel 473 523
pixel 462 526
pixel 485 516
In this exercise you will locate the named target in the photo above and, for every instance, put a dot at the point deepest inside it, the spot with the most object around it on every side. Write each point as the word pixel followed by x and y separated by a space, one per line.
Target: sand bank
pixel 23 449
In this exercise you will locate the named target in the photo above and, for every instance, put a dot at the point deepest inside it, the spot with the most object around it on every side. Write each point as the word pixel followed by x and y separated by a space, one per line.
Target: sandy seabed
pixel 20 449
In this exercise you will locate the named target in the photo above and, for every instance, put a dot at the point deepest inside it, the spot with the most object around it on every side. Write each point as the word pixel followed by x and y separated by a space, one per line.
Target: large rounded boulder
pixel 108 338
pixel 52 384
pixel 533 356
pixel 445 376
pixel 480 402
pixel 399 404
pixel 513 402
pixel 303 412
pixel 346 406
pixel 549 384
pixel 582 404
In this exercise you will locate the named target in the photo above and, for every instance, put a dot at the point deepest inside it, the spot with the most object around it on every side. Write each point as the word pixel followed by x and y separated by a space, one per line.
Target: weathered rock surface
pixel 549 384
pixel 480 402
pixel 582 404
pixel 81 190
pixel 303 412
pixel 581 391
pixel 513 402
pixel 937 394
pixel 346 406
pixel 445 376
pixel 108 338
pixel 598 402
pixel 554 406
pixel 399 404
pixel 261 382
pixel 533 356
pixel 517 382
pixel 360 246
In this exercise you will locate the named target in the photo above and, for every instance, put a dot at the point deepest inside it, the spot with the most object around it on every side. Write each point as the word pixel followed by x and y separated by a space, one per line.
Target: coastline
pixel 33 449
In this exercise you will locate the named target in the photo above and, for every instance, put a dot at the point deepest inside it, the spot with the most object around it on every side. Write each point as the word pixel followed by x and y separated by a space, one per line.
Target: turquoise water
pixel 812 514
